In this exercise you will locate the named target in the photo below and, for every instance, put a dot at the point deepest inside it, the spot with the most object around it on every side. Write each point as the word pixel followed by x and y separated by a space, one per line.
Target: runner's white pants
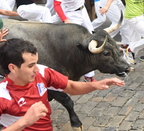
pixel 137 33
pixel 50 4
pixel 33 12
pixel 80 17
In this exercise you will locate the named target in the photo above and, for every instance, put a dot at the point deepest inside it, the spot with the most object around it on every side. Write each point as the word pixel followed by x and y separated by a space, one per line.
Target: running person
pixel 134 15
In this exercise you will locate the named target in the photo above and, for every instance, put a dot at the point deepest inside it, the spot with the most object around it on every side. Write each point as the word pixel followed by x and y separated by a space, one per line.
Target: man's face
pixel 26 73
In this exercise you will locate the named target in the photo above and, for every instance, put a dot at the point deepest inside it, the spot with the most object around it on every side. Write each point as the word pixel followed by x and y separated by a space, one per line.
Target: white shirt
pixel 71 5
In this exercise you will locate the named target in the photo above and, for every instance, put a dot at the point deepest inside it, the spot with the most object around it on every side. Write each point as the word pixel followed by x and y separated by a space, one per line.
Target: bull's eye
pixel 106 53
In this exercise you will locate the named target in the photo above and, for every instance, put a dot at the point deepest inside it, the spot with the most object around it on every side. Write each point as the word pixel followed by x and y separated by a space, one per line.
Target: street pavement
pixel 115 109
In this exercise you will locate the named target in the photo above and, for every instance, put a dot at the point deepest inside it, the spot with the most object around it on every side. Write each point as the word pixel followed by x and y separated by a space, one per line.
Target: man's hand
pixel 104 84
pixel 3 33
pixel 103 10
pixel 67 21
pixel 34 113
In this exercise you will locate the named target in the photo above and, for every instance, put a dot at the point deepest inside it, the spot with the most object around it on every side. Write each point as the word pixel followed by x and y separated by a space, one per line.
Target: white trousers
pixel 50 4
pixel 80 17
pixel 33 12
pixel 90 74
pixel 6 5
pixel 100 18
pixel 113 14
pixel 11 3
pixel 137 33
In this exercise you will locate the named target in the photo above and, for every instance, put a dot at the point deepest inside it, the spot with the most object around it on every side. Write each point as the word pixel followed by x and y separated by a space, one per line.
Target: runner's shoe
pixel 129 56
pixel 141 58
pixel 89 79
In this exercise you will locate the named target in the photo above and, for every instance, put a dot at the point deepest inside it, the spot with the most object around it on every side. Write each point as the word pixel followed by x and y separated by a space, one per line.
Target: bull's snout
pixel 126 70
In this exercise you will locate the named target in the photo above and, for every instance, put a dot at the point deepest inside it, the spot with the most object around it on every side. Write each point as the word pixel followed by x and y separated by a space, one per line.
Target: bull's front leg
pixel 66 101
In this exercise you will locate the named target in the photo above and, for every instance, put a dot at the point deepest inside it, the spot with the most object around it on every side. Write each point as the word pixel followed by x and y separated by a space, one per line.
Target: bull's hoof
pixel 78 128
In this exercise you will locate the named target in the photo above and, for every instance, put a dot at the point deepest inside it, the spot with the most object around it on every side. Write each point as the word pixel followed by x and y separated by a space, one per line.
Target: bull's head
pixel 108 52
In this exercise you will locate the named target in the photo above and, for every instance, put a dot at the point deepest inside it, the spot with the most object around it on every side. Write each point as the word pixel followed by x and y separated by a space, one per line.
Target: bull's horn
pixel 93 44
pixel 113 28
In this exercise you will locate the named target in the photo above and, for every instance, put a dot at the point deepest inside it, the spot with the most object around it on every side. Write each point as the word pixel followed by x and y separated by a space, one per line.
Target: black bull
pixel 64 47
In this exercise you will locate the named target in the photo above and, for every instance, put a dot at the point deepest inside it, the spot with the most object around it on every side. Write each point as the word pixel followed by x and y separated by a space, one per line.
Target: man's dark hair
pixel 11 52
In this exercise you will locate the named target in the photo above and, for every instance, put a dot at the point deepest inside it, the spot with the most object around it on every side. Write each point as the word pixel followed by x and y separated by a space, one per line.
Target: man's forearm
pixel 104 9
pixel 79 88
pixel 8 13
pixel 109 3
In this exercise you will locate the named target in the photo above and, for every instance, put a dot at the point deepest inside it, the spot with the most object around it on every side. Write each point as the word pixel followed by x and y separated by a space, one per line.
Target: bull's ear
pixel 82 47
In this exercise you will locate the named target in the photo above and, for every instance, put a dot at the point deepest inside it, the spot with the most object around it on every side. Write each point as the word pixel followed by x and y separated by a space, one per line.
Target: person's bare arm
pixel 79 88
pixel 60 12
pixel 104 9
pixel 8 12
pixel 34 113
